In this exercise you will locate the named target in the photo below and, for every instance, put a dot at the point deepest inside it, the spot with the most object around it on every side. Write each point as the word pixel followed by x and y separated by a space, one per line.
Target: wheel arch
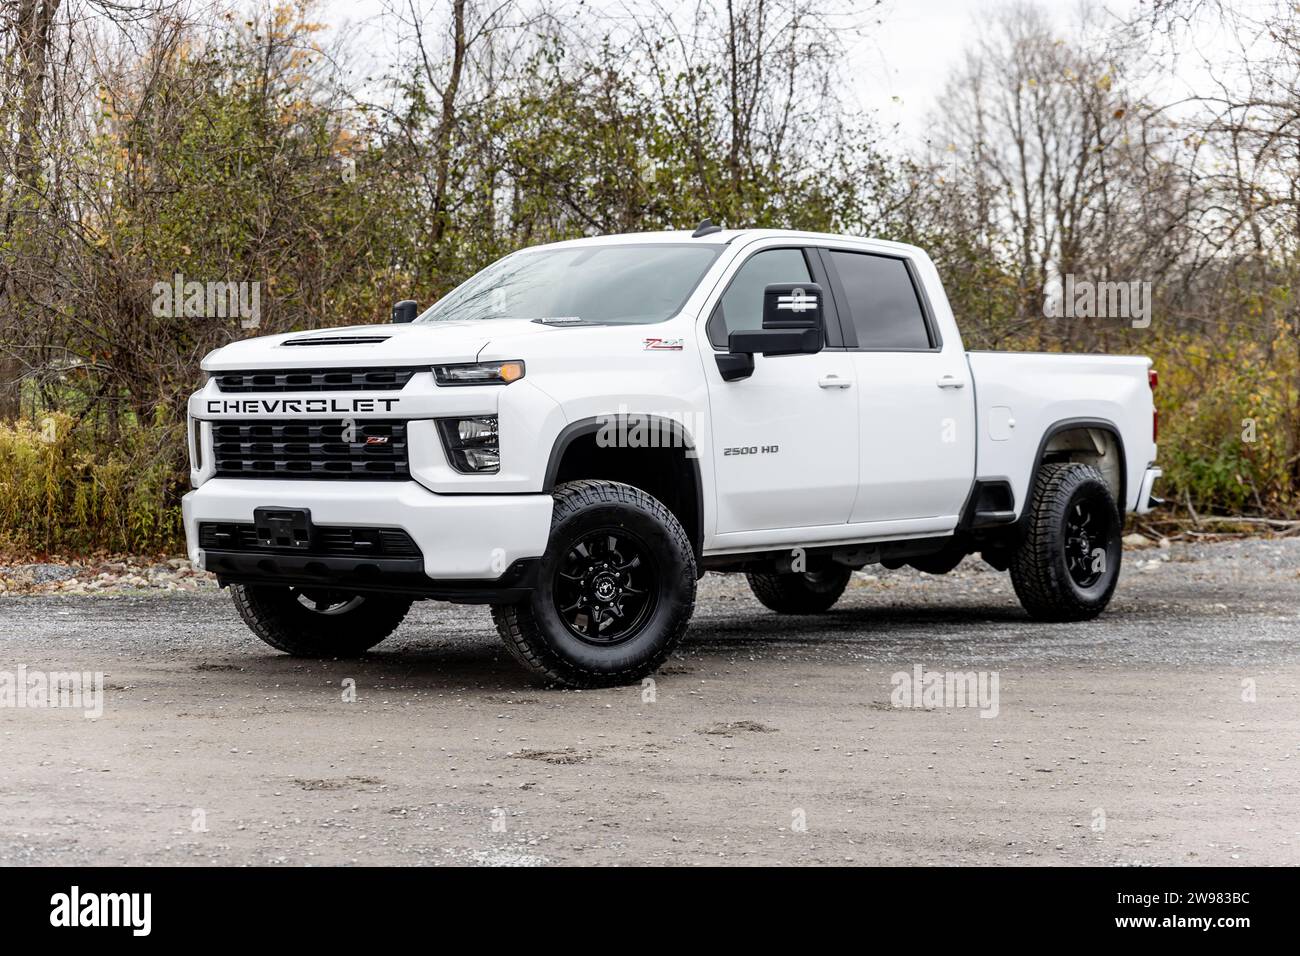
pixel 669 468
pixel 1076 439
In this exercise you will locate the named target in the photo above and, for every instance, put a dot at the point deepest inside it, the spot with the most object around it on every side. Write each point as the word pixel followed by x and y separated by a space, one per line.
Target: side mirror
pixel 792 325
pixel 406 310
pixel 793 305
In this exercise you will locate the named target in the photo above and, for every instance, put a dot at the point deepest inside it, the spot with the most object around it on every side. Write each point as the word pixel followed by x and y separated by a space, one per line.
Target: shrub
pixel 67 490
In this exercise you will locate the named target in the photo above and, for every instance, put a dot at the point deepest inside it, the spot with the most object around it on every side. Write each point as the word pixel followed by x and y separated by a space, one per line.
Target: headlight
pixel 479 373
pixel 471 443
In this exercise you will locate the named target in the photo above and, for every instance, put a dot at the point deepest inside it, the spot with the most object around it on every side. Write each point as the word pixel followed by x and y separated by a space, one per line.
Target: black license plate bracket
pixel 288 528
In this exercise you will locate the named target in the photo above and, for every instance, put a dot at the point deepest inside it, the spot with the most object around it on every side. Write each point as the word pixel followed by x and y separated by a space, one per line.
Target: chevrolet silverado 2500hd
pixel 578 432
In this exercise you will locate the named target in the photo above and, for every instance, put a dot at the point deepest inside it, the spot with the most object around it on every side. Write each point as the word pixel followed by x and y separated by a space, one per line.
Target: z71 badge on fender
pixel 664 345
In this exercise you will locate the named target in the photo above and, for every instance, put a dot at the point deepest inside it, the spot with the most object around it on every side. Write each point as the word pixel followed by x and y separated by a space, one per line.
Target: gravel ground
pixel 1166 732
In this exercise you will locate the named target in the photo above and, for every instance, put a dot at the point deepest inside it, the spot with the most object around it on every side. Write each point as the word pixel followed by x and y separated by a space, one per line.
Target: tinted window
pixel 742 305
pixel 620 283
pixel 882 301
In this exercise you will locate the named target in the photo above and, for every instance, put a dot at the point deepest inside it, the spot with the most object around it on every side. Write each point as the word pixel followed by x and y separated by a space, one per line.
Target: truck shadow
pixel 447 657
pixel 866 624
pixel 470 668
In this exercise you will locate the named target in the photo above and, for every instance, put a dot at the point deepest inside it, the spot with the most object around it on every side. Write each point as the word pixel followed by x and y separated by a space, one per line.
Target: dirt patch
pixel 506 699
pixel 345 783
pixel 675 670
pixel 563 757
pixel 731 727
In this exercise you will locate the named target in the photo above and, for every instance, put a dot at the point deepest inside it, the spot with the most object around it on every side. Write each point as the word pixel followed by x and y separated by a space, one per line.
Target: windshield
pixel 624 284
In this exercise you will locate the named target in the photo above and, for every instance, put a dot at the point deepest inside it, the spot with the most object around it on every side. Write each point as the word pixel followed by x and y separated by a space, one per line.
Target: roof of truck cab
pixel 725 237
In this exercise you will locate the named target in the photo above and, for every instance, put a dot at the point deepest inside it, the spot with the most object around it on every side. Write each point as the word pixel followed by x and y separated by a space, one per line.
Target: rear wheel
pixel 1067 566
pixel 318 622
pixel 807 592
pixel 615 592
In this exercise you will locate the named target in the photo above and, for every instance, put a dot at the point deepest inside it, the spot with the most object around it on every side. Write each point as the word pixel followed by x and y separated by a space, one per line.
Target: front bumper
pixel 467 542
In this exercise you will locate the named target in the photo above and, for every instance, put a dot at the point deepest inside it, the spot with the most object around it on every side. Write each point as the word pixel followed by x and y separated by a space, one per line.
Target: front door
pixel 785 439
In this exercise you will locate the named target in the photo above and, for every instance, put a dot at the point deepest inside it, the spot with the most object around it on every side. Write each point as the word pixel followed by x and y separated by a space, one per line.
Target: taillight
pixel 1153 380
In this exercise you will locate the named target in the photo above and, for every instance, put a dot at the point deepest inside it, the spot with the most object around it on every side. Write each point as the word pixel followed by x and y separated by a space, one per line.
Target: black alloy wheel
pixel 1088 528
pixel 606 586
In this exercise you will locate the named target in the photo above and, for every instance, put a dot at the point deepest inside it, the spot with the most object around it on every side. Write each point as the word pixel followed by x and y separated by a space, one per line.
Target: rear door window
pixel 882 300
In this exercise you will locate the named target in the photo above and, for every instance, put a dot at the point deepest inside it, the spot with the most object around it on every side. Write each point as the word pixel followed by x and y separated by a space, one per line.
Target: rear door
pixel 915 395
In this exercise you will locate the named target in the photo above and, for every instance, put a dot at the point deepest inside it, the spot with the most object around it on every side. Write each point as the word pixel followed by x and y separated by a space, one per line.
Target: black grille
pixel 310 449
pixel 327 541
pixel 316 380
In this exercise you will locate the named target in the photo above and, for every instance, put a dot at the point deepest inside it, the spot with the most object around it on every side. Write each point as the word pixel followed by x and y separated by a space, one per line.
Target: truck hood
pixel 370 345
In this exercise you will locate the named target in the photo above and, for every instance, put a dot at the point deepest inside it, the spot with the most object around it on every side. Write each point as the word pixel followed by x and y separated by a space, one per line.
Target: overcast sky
pixel 900 62
pixel 900 66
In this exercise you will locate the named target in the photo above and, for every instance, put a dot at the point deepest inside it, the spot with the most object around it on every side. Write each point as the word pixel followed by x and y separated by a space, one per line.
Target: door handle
pixel 833 381
pixel 950 381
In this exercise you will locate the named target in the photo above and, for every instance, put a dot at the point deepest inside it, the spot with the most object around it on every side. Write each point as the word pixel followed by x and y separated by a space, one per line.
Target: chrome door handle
pixel 833 381
pixel 950 381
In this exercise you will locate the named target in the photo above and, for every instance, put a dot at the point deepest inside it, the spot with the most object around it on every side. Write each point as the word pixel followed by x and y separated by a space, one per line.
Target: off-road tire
pixel 534 630
pixel 277 615
pixel 808 592
pixel 1039 570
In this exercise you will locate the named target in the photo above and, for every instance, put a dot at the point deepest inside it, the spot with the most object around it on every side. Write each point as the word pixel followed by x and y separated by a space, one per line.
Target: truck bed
pixel 1023 398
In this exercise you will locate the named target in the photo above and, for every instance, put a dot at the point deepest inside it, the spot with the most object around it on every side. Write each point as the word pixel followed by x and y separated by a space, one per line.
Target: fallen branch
pixel 1228 519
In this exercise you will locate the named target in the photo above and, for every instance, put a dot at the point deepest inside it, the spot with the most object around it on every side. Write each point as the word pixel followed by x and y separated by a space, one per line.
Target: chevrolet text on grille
pixel 291 406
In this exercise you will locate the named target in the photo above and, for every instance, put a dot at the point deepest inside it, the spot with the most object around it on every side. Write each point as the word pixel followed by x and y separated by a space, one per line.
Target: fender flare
pixel 681 438
pixel 1070 424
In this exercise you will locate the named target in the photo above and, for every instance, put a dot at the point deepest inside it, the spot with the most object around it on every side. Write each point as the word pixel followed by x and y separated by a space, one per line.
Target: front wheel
pixel 318 622
pixel 1067 566
pixel 615 591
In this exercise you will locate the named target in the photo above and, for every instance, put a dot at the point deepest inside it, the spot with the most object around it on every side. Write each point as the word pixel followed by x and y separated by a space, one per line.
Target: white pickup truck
pixel 581 430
